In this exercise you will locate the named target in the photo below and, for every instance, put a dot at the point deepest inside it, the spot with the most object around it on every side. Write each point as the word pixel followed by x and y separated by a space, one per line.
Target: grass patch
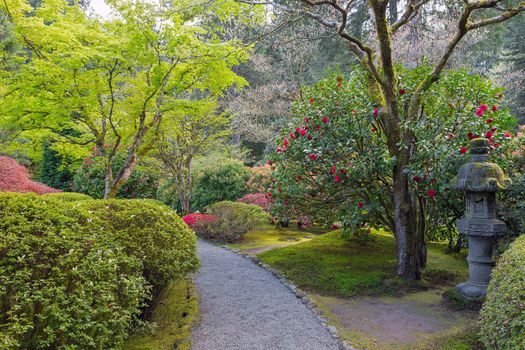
pixel 329 265
pixel 174 316
pixel 268 235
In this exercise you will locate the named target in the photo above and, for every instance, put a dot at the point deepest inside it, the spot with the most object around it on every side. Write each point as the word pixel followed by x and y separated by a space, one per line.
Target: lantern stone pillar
pixel 480 180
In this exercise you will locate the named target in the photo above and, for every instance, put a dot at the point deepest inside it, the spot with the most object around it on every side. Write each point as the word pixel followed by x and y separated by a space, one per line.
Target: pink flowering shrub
pixel 194 218
pixel 258 199
pixel 15 178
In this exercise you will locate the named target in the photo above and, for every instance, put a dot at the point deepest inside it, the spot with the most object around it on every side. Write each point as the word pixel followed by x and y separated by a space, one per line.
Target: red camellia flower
pixel 483 107
pixel 337 179
pixel 269 162
pixel 302 131
pixel 479 112
pixel 279 189
pixel 332 170
pixel 494 108
pixel 309 137
pixel 312 156
pixel 360 205
pixel 431 193
pixel 306 119
pixel 374 130
pixel 312 100
pixel 376 112
pixel 354 111
pixel 494 130
pixel 463 150
pixel 317 127
pixel 279 149
pixel 508 135
pixel 334 226
pixel 292 135
pixel 402 92
pixel 416 178
pixel 268 194
pixel 342 171
pixel 433 180
pixel 488 121
pixel 324 120
pixel 489 135
pixel 286 142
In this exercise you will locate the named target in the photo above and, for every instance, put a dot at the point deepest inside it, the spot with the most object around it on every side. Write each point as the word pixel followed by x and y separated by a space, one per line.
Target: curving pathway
pixel 244 307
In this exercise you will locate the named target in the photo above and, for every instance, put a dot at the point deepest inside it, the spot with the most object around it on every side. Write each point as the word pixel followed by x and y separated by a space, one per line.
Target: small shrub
pixel 15 178
pixel 219 181
pixel 234 219
pixel 258 199
pixel 502 317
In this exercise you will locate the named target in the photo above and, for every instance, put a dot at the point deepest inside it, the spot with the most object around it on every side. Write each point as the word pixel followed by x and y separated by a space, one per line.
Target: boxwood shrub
pixel 69 279
pixel 502 317
pixel 67 196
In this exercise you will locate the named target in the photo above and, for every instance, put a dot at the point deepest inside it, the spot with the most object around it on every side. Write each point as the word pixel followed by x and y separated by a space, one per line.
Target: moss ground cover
pixel 330 265
pixel 174 315
pixel 267 236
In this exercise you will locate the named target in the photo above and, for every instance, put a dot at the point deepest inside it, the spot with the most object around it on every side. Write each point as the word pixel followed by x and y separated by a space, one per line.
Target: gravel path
pixel 244 307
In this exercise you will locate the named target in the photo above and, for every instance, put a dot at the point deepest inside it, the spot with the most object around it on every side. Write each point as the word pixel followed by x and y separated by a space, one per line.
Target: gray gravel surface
pixel 245 307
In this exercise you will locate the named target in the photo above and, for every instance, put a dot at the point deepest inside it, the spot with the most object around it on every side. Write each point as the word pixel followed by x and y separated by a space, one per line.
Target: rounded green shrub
pixel 219 181
pixel 502 317
pixel 63 287
pixel 67 196
pixel 233 220
pixel 79 274
pixel 149 231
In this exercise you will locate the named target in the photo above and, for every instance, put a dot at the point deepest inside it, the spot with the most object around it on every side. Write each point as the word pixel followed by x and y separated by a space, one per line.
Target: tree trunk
pixel 411 247
pixel 122 176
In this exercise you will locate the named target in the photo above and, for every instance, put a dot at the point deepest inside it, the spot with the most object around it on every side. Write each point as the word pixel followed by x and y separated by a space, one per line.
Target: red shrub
pixel 15 178
pixel 192 219
pixel 256 199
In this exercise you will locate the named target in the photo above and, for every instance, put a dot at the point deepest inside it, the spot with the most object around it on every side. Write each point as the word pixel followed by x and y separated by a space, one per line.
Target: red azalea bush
pixel 194 218
pixel 15 178
pixel 258 199
pixel 334 166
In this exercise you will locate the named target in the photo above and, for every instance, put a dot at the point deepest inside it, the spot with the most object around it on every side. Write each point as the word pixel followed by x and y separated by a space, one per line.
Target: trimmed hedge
pixel 77 275
pixel 503 314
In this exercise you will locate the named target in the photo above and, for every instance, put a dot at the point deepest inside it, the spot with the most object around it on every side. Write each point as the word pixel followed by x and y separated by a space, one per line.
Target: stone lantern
pixel 480 180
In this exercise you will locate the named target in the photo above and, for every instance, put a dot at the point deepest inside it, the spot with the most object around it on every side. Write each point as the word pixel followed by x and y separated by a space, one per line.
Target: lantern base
pixel 472 291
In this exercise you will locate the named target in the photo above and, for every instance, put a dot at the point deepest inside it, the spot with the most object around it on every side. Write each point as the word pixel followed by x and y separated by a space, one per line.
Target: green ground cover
pixel 268 236
pixel 174 316
pixel 329 265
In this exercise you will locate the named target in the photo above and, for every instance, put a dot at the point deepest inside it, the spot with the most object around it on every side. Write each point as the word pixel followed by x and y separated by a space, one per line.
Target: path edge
pixel 299 294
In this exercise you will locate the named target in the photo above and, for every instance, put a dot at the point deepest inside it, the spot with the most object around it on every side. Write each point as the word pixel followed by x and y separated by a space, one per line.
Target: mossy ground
pixel 350 281
pixel 269 236
pixel 174 316
pixel 332 266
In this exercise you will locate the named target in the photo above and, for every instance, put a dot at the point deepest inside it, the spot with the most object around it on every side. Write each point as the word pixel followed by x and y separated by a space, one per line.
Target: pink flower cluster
pixel 192 219
pixel 256 199
pixel 15 178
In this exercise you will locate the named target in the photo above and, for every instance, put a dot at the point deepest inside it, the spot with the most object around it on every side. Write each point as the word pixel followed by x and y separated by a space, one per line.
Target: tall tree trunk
pixel 408 246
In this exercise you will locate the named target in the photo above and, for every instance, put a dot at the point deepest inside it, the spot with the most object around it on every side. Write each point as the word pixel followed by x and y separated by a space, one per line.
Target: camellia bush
pixel 333 164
